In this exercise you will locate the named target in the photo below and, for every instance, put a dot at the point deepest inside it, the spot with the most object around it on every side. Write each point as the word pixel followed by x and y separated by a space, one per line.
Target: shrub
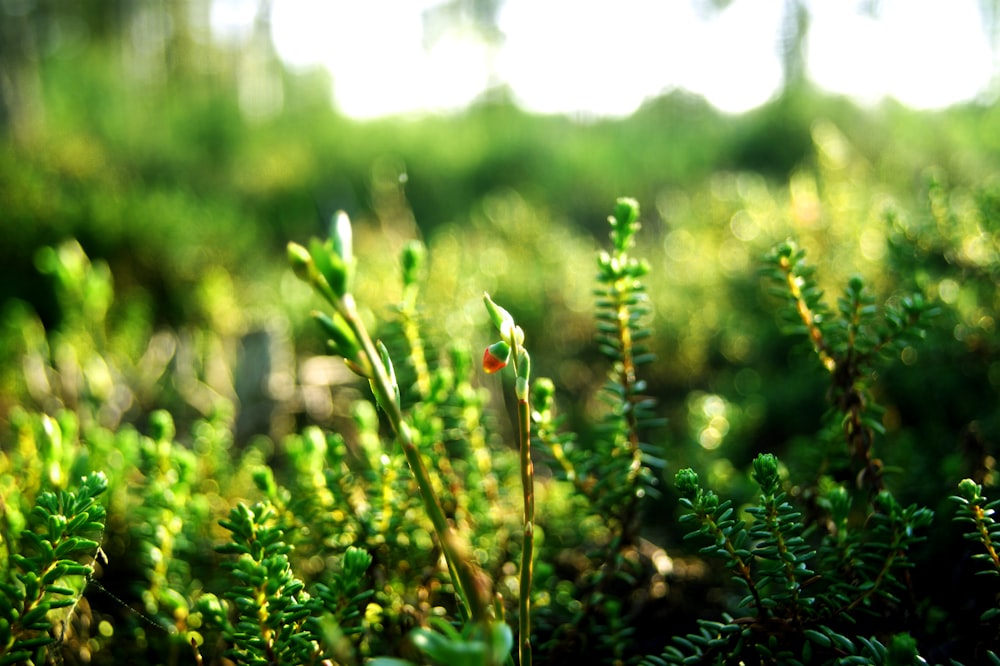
pixel 417 532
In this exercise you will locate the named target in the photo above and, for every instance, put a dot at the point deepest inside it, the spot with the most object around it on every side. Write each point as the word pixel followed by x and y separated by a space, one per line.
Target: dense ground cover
pixel 154 333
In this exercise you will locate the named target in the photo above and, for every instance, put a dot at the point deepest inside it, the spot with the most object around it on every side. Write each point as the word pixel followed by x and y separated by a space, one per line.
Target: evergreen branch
pixel 59 535
pixel 978 511
pixel 727 533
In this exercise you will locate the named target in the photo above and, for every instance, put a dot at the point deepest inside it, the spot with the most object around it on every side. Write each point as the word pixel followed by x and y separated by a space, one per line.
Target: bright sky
pixel 605 58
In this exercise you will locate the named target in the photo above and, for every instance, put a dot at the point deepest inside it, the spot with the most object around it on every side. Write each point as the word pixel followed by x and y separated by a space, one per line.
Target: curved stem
pixel 471 584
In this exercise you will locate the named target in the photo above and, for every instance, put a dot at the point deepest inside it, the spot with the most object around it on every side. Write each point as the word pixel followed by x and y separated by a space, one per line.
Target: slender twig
pixel 472 586
pixel 511 346
pixel 806 314
pixel 528 486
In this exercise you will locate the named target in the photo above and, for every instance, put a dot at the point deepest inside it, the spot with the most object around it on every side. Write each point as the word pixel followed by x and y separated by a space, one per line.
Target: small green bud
pixel 626 211
pixel 886 503
pixel 95 483
pixel 342 237
pixel 51 435
pixel 902 651
pixel 263 478
pixel 356 562
pixel 970 490
pixel 314 440
pixel 500 317
pixel 709 501
pixel 624 223
pixel 209 605
pixel 765 472
pixel 330 265
pixel 301 262
pixel 413 257
pixel 544 392
pixel 161 426
pixel 839 502
pixel 686 482
pixel 856 284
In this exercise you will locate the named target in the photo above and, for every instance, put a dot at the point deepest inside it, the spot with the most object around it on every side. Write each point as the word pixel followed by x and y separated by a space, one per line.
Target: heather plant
pixel 811 576
pixel 45 567
pixel 848 344
pixel 328 267
pixel 413 531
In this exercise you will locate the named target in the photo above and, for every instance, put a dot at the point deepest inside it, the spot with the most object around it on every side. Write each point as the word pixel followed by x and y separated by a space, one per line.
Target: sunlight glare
pixel 605 59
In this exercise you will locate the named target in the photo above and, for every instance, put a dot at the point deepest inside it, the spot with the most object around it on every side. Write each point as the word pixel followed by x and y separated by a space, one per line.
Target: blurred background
pixel 158 155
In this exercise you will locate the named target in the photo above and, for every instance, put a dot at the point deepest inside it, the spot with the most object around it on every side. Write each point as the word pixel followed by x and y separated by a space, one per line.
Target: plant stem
pixel 471 584
pixel 807 316
pixel 528 486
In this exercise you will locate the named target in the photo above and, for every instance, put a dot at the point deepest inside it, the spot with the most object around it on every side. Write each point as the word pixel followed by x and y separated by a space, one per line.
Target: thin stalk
pixel 527 549
pixel 740 566
pixel 807 316
pixel 408 316
pixel 511 346
pixel 471 584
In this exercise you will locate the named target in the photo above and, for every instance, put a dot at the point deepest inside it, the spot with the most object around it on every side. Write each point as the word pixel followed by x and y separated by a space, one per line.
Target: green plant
pixel 45 568
pixel 847 345
pixel 277 620
pixel 510 348
pixel 804 594
pixel 328 267
pixel 618 468
pixel 623 471
pixel 405 530
pixel 807 581
pixel 976 512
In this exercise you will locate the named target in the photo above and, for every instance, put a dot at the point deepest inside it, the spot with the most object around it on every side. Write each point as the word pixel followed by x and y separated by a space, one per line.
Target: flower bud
pixel 544 392
pixel 496 356
pixel 161 426
pixel 413 260
pixel 301 260
pixel 342 237
pixel 626 211
pixel 969 490
pixel 330 265
pixel 765 472
pixel 686 481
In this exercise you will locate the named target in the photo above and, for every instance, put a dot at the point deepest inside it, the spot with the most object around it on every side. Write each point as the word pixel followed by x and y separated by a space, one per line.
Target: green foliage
pixel 387 543
pixel 804 594
pixel 276 620
pixel 622 325
pixel 848 346
pixel 144 377
pixel 978 511
pixel 45 568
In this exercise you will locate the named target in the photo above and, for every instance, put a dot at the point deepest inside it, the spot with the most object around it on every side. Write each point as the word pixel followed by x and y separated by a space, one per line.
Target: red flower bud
pixel 496 356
